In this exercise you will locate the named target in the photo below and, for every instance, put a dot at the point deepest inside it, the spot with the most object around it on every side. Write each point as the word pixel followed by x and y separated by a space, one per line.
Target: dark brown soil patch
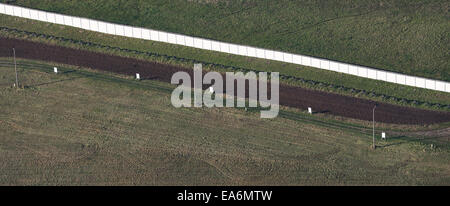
pixel 297 97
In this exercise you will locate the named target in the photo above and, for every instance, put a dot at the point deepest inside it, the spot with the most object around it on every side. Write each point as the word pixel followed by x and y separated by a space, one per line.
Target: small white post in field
pixel 138 76
pixel 383 135
pixel 55 70
pixel 211 89
pixel 309 110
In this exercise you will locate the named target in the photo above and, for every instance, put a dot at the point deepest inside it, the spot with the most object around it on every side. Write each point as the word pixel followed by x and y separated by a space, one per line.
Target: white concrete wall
pixel 195 42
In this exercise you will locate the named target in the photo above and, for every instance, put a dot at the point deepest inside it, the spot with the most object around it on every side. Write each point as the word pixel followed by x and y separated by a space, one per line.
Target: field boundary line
pixel 229 48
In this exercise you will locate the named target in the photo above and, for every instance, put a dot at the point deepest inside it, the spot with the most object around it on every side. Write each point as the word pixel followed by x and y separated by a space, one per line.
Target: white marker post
pixel 211 89
pixel 55 70
pixel 309 110
pixel 383 135
pixel 137 76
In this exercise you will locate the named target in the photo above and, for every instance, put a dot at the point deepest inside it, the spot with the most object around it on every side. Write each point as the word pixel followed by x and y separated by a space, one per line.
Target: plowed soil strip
pixel 297 97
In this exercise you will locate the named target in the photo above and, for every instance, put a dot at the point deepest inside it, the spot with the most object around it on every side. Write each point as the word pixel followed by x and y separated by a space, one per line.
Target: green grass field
pixel 82 127
pixel 378 87
pixel 404 36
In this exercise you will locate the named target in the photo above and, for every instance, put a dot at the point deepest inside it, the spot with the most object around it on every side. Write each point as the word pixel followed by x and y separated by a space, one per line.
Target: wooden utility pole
pixel 15 68
pixel 373 134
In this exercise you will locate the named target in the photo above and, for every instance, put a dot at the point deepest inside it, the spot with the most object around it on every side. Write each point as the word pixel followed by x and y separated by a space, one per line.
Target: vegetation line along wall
pixel 161 36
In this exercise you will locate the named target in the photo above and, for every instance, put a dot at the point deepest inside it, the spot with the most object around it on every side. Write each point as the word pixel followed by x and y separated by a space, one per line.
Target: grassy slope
pixel 225 59
pixel 397 35
pixel 80 127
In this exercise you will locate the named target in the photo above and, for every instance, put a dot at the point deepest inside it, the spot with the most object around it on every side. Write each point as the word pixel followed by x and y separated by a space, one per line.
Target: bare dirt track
pixel 289 96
